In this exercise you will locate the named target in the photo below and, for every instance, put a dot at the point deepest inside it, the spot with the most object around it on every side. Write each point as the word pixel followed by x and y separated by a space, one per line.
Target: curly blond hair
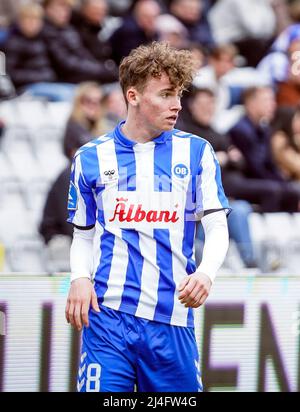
pixel 152 61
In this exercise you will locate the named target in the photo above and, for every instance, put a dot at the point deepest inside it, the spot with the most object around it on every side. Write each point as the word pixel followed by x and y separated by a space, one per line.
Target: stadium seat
pixel 23 162
pixel 58 113
pixel 276 240
pixel 6 171
pixel 27 254
pixel 57 254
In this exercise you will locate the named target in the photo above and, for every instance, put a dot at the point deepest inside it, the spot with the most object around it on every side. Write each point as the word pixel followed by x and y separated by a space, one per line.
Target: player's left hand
pixel 194 289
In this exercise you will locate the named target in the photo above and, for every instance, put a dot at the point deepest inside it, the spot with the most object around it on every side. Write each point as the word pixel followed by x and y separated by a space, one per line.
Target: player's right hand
pixel 81 296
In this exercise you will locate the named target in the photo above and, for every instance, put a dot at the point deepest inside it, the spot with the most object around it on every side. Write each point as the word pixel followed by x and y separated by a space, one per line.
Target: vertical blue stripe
pixel 126 168
pixel 90 165
pixel 90 205
pixel 163 167
pixel 107 239
pixel 166 285
pixel 189 235
pixel 190 318
pixel 197 150
pixel 132 286
pixel 189 220
pixel 71 213
pixel 104 267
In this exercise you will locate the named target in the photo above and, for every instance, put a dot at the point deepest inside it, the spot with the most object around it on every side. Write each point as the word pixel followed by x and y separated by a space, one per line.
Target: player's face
pixel 159 104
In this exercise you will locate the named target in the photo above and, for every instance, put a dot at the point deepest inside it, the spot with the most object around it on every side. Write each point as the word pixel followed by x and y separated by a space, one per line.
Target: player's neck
pixel 134 130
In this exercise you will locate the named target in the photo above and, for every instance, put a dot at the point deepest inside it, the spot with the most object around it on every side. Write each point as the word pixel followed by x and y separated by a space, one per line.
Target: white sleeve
pixel 216 243
pixel 81 254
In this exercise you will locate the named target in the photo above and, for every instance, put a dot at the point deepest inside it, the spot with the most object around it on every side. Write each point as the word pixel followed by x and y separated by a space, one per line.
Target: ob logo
pixel 180 170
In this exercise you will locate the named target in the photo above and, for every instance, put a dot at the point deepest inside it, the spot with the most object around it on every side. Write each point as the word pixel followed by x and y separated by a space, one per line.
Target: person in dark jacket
pixel 55 212
pixel 72 61
pixel 251 135
pixel 88 21
pixel 27 60
pixel 138 28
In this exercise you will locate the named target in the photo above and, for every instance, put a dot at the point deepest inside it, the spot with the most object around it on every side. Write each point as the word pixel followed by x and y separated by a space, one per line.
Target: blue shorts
pixel 120 351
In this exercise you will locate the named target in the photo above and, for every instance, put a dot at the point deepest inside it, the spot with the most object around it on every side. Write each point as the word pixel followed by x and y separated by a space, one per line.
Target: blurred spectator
pixel 191 15
pixel 276 65
pixel 119 7
pixel 73 63
pixel 237 185
pixel 284 40
pixel 292 30
pixel 115 107
pixel 283 14
pixel 251 135
pixel 137 28
pixel 88 21
pixel 199 55
pixel 286 143
pixel 87 119
pixel 227 81
pixel 86 122
pixel 202 106
pixel 54 219
pixel 27 60
pixel 172 31
pixel 249 24
pixel 288 90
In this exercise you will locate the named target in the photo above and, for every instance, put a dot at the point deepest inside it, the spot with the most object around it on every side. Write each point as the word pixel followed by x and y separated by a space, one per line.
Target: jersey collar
pixel 122 139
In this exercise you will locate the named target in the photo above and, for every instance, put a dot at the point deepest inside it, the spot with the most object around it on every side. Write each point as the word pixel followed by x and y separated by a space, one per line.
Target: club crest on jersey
pixel 135 213
pixel 180 170
pixel 73 197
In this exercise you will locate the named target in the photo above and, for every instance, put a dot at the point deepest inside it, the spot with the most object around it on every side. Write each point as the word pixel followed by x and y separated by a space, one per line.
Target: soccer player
pixel 135 196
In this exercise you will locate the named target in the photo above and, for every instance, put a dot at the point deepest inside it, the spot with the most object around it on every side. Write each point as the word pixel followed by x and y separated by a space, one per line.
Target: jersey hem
pixel 159 317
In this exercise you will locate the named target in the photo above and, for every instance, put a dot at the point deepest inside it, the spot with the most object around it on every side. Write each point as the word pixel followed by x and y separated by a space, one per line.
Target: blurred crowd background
pixel 59 89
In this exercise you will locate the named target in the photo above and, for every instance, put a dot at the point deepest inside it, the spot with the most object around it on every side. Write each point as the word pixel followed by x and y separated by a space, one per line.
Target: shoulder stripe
pixel 93 143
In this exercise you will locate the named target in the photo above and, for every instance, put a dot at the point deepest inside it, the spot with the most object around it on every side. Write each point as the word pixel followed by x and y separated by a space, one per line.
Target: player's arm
pixel 82 214
pixel 211 203
pixel 82 293
pixel 195 288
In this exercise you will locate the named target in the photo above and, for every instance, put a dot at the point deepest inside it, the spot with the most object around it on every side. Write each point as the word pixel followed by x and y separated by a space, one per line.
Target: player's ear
pixel 133 96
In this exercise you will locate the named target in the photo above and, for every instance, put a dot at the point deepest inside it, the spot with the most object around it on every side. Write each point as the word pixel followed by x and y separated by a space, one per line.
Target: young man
pixel 134 196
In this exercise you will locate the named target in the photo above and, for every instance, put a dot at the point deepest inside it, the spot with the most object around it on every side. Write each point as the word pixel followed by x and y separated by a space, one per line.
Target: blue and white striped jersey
pixel 143 200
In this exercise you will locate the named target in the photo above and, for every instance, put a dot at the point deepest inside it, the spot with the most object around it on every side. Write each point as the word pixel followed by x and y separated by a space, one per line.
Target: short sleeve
pixel 81 201
pixel 210 194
